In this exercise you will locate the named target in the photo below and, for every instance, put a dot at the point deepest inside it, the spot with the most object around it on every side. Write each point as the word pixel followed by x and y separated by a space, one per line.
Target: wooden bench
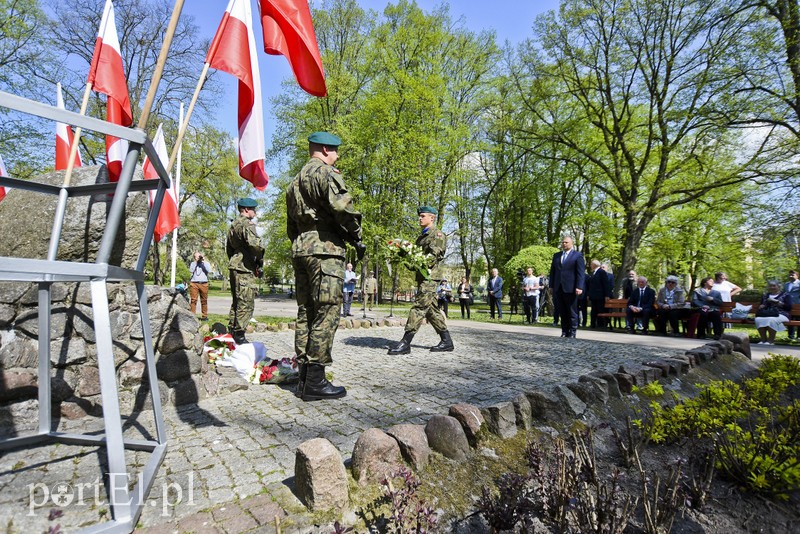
pixel 727 308
pixel 616 309
pixel 794 315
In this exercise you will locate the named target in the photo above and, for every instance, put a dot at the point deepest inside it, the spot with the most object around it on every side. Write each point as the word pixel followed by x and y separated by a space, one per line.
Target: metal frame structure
pixel 126 505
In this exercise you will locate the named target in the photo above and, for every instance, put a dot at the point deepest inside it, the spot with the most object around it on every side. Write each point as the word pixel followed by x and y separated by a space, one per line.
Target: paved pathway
pixel 231 457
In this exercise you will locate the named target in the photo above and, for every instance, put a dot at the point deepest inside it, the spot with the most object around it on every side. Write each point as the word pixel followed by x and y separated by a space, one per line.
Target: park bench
pixel 794 315
pixel 616 310
pixel 727 308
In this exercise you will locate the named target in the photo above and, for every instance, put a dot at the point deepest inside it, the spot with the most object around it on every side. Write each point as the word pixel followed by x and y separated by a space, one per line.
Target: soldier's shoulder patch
pixel 439 234
pixel 337 171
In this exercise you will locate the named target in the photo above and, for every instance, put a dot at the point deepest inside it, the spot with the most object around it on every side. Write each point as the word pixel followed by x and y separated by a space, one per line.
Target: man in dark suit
pixel 567 277
pixel 495 291
pixel 640 304
pixel 598 290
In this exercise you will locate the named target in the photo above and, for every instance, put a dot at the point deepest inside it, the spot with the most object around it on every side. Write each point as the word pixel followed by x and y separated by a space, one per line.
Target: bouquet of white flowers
pixel 402 252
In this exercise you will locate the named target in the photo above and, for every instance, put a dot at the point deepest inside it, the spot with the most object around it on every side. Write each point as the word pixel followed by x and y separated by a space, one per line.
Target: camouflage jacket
pixel 320 217
pixel 433 242
pixel 243 246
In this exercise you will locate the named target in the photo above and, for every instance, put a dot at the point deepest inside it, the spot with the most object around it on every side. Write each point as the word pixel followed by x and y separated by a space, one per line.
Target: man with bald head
pixel 640 305
pixel 567 278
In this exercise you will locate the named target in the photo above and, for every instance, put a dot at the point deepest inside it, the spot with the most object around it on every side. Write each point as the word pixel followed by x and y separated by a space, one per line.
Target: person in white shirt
pixel 198 285
pixel 530 296
pixel 444 294
pixel 349 288
pixel 725 288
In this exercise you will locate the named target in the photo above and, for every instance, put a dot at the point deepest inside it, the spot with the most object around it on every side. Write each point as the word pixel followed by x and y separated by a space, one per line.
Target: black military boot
pixel 238 337
pixel 303 368
pixel 446 344
pixel 317 387
pixel 404 347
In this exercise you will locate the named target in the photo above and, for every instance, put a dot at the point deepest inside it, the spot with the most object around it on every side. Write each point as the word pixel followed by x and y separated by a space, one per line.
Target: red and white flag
pixel 107 76
pixel 233 50
pixel 3 172
pixel 64 138
pixel 289 31
pixel 168 217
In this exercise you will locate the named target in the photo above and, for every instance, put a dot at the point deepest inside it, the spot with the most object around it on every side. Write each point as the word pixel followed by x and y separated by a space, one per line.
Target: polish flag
pixel 233 50
pixel 64 138
pixel 107 76
pixel 168 217
pixel 3 172
pixel 289 31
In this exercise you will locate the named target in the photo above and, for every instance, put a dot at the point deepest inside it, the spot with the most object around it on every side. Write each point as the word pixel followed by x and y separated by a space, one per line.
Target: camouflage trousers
pixel 426 307
pixel 319 281
pixel 243 290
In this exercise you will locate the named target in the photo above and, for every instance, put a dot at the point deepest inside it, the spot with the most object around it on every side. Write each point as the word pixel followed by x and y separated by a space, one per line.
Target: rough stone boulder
pixel 413 444
pixel 84 221
pixel 376 456
pixel 320 477
pixel 522 411
pixel 471 420
pixel 741 342
pixel 501 419
pixel 447 437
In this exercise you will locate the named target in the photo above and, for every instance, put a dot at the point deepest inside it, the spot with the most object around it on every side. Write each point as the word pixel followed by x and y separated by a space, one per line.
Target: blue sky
pixel 510 19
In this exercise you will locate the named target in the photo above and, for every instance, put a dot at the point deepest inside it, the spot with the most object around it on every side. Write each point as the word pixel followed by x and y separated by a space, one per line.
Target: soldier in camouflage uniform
pixel 320 220
pixel 245 258
pixel 432 241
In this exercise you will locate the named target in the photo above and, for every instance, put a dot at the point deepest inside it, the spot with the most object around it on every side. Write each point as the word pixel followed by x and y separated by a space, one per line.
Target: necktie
pixel 641 293
pixel 564 256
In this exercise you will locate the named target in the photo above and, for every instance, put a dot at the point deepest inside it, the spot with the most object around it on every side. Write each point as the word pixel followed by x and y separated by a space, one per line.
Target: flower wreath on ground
pixel 402 252
pixel 249 360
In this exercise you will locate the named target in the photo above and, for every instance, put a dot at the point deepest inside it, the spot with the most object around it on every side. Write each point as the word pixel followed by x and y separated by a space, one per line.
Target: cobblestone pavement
pixel 231 458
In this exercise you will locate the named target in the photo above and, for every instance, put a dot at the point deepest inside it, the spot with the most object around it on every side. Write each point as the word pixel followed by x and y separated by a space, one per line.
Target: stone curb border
pixel 321 479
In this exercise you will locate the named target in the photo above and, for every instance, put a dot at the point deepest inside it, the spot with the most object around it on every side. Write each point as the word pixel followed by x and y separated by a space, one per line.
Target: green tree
pixel 404 95
pixel 26 59
pixel 210 187
pixel 641 82
pixel 141 25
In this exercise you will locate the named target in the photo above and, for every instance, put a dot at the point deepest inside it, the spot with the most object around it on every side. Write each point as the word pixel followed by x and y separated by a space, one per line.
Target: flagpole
pixel 61 207
pixel 162 59
pixel 185 122
pixel 177 192
pixel 73 148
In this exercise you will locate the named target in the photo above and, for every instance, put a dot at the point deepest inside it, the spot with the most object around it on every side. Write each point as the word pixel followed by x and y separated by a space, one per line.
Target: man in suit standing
pixel 495 290
pixel 567 277
pixel 640 304
pixel 598 290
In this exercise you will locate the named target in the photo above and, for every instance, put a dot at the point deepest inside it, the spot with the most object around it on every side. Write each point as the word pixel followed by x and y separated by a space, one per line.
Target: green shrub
pixel 653 389
pixel 757 439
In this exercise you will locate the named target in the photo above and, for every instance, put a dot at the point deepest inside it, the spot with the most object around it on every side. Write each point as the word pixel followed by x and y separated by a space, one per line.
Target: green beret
pixel 247 203
pixel 324 138
pixel 427 209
